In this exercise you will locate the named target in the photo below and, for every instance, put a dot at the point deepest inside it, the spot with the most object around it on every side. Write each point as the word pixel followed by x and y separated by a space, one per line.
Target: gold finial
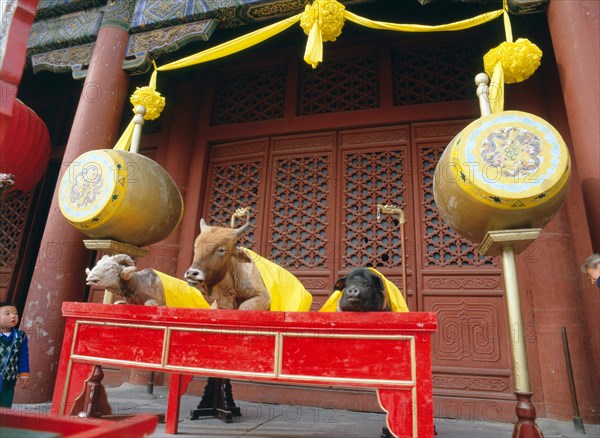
pixel 390 209
pixel 239 213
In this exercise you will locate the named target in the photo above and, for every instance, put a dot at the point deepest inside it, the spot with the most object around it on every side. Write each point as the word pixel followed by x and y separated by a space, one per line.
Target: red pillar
pixel 550 281
pixel 575 30
pixel 60 269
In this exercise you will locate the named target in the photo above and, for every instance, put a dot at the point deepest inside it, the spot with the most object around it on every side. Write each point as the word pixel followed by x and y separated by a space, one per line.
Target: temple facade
pixel 312 152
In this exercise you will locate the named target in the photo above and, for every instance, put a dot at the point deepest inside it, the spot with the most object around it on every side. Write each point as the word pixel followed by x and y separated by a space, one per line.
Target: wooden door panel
pixel 302 209
pixel 15 209
pixel 375 169
pixel 236 179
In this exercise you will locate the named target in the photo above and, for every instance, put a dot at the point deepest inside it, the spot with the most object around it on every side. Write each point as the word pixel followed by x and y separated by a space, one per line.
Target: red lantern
pixel 25 147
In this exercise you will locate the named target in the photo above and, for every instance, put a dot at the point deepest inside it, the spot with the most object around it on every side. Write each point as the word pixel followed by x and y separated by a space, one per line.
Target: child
pixel 14 354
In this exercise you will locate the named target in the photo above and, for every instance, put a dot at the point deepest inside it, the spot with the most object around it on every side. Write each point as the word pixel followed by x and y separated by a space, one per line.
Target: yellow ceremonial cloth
pixel 286 291
pixel 180 294
pixel 394 295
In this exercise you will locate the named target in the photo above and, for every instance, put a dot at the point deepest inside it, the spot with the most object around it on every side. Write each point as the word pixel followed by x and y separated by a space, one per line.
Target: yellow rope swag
pixel 323 21
pixel 151 100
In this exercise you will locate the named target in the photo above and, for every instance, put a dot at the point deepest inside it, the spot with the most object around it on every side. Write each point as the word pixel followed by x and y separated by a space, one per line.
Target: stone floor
pixel 260 420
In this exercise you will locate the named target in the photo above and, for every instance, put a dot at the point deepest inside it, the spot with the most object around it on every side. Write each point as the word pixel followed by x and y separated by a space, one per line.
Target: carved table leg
pixel 406 415
pixel 217 401
pixel 93 402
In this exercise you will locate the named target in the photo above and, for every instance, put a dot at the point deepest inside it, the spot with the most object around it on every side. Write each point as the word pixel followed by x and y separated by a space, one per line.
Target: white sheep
pixel 118 274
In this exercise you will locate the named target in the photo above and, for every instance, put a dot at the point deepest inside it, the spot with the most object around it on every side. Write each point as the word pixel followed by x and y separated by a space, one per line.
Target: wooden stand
pixel 217 401
pixel 93 402
pixel 526 426
pixel 508 243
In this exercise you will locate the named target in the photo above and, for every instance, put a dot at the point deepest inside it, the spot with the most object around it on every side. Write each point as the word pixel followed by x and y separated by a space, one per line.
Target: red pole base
pixel 526 426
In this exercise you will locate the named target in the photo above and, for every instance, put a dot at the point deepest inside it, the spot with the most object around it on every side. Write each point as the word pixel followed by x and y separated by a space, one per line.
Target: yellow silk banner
pixel 323 16
pixel 458 25
pixel 236 45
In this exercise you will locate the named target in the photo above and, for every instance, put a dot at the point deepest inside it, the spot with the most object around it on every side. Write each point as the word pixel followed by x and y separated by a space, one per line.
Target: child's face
pixel 9 317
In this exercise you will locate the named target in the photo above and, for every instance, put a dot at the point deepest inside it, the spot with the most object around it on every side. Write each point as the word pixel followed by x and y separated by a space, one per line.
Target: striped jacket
pixel 14 356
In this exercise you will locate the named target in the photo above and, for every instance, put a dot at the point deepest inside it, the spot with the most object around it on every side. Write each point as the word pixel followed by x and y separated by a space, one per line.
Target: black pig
pixel 362 291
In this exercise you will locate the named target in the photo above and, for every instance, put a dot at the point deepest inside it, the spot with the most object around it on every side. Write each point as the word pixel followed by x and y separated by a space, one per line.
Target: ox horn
pixel 203 225
pixel 241 230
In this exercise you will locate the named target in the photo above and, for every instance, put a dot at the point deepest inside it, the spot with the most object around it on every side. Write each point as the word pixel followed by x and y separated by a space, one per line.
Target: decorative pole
pixel 499 181
pixel 504 243
pixel 508 243
pixel 138 121
pixel 391 209
pixel 483 94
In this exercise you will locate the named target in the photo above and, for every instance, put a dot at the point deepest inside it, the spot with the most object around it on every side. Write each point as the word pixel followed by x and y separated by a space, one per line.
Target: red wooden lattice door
pixel 14 210
pixel 314 201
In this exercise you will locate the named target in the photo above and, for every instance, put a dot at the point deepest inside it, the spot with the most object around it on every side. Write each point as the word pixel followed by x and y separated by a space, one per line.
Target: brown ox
pixel 226 272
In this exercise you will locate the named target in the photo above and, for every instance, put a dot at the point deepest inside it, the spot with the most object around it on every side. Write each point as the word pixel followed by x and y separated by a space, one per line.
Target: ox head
pixel 213 250
pixel 110 271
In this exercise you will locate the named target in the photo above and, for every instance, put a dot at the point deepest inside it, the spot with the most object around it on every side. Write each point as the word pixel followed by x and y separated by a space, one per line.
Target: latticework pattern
pixel 372 178
pixel 299 229
pixel 442 246
pixel 234 186
pixel 249 96
pixel 13 216
pixel 434 75
pixel 347 84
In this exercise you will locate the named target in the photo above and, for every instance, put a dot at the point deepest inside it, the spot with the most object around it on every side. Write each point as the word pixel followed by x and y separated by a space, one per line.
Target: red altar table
pixel 384 350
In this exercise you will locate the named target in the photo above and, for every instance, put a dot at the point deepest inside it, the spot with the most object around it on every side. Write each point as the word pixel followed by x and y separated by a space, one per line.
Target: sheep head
pixel 110 272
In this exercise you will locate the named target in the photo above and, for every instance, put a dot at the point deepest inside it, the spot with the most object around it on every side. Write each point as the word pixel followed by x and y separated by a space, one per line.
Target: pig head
pixel 362 291
pixel 226 272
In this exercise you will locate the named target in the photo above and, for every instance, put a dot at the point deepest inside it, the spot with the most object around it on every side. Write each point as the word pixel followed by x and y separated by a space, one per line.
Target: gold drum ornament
pixel 504 171
pixel 120 195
